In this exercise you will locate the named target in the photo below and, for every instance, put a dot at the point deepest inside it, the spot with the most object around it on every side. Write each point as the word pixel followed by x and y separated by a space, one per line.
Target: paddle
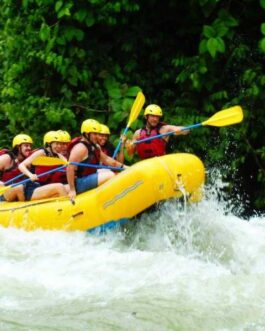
pixel 224 117
pixel 5 188
pixel 135 111
pixel 13 179
pixel 53 161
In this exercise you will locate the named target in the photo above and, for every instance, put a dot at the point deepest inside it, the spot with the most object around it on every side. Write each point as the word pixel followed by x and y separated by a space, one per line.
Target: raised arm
pixel 130 146
pixel 169 128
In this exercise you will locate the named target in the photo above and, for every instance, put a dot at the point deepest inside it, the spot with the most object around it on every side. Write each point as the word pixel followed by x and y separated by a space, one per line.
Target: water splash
pixel 197 267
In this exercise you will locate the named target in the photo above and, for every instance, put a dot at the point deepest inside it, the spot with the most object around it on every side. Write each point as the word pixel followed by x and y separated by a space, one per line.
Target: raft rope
pixel 177 182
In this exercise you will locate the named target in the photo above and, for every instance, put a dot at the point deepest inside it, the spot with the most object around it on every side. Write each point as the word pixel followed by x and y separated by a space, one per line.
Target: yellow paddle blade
pixel 136 108
pixel 226 117
pixel 48 161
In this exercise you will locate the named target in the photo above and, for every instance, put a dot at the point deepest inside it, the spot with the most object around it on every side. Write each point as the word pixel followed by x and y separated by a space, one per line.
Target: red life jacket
pixel 54 177
pixel 155 147
pixel 4 151
pixel 13 170
pixel 93 157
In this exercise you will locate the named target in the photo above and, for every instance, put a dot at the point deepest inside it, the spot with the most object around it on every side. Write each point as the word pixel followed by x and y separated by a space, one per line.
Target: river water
pixel 176 268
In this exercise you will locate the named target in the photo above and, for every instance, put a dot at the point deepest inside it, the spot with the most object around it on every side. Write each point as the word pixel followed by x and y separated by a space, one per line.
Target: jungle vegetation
pixel 67 60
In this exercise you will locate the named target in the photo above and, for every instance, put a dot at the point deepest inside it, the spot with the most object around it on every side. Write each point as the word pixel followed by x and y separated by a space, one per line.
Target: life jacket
pixel 13 170
pixel 54 177
pixel 93 157
pixel 151 148
pixel 108 149
pixel 4 151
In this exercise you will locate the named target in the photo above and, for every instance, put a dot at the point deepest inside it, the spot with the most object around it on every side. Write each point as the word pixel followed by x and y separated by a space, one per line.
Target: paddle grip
pixel 119 144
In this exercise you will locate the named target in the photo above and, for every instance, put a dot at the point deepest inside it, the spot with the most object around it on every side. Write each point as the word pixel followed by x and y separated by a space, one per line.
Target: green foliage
pixel 64 61
pixel 262 4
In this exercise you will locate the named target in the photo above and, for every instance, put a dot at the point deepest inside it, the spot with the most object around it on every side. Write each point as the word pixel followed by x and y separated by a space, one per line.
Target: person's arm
pixel 104 158
pixel 5 163
pixel 130 146
pixel 61 157
pixel 169 128
pixel 78 154
pixel 23 166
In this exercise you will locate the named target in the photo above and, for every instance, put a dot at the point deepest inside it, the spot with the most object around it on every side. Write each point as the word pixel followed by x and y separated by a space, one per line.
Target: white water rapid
pixel 194 268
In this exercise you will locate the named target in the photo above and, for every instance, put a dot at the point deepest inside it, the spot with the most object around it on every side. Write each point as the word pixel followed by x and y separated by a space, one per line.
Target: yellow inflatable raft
pixel 123 197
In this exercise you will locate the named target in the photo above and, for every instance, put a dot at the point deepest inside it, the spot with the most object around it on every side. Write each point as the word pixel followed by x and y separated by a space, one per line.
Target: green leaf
pixel 25 3
pixel 90 21
pixel 61 40
pixel 79 34
pixel 72 80
pixel 208 31
pixel 227 18
pixel 195 80
pixel 262 4
pixel 126 104
pixel 80 15
pixel 221 30
pixel 255 90
pixel 132 91
pixel 262 45
pixel 262 28
pixel 114 93
pixel 64 12
pixel 58 5
pixel 203 46
pixel 212 46
pixel 203 69
pixel 220 45
pixel 115 105
pixel 249 76
pixel 44 32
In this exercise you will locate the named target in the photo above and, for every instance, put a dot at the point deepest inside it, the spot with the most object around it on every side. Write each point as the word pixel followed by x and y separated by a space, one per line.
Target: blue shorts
pixel 86 183
pixel 29 188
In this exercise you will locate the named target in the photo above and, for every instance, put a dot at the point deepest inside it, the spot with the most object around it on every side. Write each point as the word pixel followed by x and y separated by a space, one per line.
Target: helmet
pixel 90 125
pixel 51 136
pixel 104 129
pixel 21 139
pixel 153 110
pixel 64 136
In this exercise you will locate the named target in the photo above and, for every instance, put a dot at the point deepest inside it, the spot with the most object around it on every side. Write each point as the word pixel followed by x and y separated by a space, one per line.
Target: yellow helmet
pixel 104 129
pixel 64 136
pixel 90 126
pixel 21 139
pixel 50 137
pixel 153 110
